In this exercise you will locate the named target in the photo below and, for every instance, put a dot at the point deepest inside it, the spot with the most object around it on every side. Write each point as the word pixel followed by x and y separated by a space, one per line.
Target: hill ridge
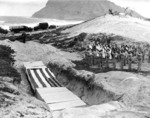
pixel 78 9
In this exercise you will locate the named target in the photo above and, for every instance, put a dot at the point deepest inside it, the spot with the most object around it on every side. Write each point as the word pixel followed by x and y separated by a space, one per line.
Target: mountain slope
pixel 125 26
pixel 78 9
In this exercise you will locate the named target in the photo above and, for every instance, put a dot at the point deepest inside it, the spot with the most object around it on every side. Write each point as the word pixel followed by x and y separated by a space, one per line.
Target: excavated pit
pixel 83 87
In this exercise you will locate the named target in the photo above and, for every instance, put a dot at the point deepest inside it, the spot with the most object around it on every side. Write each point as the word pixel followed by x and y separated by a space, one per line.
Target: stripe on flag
pixel 39 78
pixel 49 78
pixel 53 78
pixel 31 79
pixel 42 78
pixel 36 79
pixel 41 70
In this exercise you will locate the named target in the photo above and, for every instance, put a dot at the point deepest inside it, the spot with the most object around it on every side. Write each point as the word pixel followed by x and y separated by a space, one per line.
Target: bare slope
pixel 78 9
pixel 126 26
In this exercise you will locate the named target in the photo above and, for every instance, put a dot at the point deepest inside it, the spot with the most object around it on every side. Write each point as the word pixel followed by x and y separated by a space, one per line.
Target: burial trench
pixel 83 86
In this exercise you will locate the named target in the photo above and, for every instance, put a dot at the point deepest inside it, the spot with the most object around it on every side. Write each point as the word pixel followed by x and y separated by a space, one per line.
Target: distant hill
pixel 78 9
pixel 17 19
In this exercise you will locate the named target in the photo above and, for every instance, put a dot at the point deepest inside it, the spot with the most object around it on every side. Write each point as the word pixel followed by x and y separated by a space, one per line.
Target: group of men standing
pixel 102 54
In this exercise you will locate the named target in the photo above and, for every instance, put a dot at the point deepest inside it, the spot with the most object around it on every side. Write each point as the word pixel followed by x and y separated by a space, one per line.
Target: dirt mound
pixel 133 88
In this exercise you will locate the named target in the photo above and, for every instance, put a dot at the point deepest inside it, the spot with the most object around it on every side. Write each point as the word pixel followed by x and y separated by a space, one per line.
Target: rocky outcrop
pixel 78 9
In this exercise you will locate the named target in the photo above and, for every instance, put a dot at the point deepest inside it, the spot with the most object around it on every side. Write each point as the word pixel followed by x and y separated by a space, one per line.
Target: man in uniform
pixel 139 58
pixel 149 56
pixel 130 61
pixel 122 60
pixel 88 57
pixel 23 36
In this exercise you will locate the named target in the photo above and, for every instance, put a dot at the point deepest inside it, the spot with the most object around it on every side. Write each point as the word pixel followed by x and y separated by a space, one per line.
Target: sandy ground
pixel 108 110
pixel 126 26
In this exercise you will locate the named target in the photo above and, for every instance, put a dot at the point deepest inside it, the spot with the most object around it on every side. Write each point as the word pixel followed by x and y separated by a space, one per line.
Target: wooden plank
pixel 63 105
pixel 34 64
pixel 58 96
pixel 51 90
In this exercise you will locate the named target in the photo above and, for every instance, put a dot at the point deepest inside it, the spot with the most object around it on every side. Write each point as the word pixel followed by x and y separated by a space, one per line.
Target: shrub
pixel 6 61
pixel 3 31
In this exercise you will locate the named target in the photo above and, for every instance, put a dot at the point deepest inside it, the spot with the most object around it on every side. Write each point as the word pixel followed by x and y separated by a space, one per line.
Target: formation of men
pixel 102 54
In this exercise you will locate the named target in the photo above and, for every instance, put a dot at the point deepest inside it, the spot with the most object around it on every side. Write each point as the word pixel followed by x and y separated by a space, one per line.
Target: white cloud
pixel 23 1
pixel 141 6
pixel 20 7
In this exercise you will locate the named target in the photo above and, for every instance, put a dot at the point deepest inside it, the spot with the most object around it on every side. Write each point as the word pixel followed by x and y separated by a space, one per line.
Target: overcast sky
pixel 28 7
pixel 141 6
pixel 20 7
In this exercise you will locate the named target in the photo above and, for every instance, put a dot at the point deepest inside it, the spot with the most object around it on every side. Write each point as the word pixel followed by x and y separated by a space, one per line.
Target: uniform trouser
pixel 96 60
pixel 114 63
pixel 89 60
pixel 107 63
pixel 121 64
pixel 148 59
pixel 130 65
pixel 127 60
pixel 124 62
pixel 139 66
pixel 100 63
pixel 143 58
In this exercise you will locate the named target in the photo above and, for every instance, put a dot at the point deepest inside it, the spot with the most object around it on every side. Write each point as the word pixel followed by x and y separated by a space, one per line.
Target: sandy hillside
pixel 33 51
pixel 126 26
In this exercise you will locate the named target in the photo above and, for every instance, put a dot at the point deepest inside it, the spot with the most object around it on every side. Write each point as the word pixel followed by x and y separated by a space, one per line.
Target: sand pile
pixel 125 26
pixel 133 88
